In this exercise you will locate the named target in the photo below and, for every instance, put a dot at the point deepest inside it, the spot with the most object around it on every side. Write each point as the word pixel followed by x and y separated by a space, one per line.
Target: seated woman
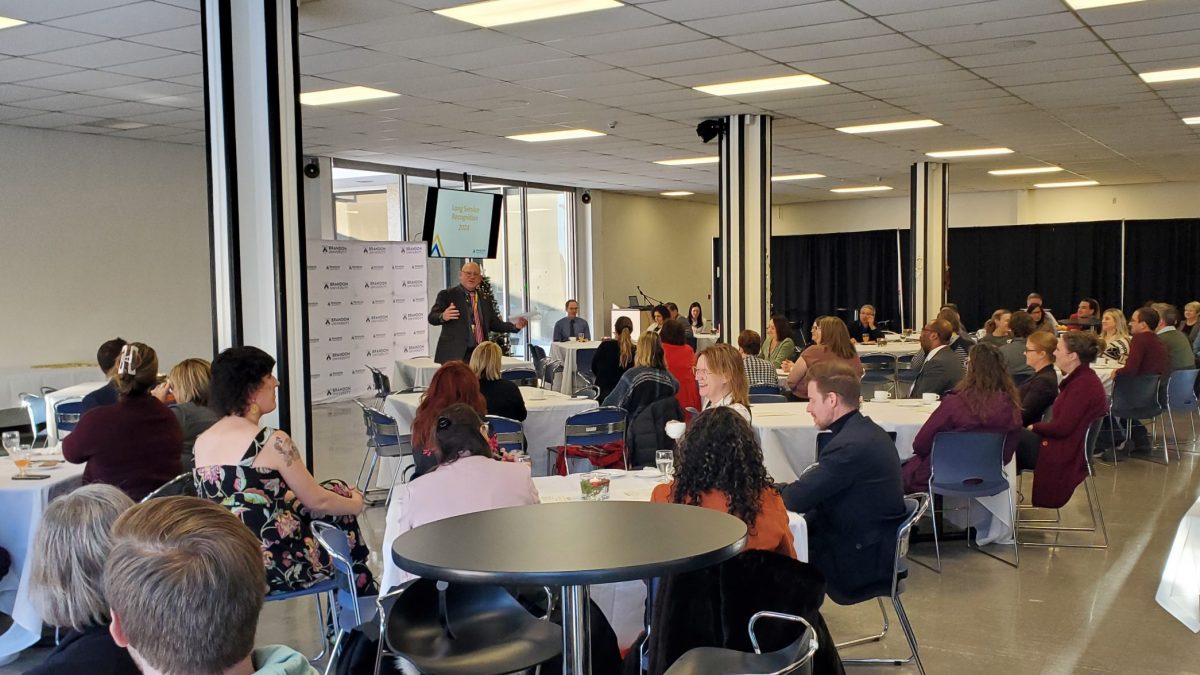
pixel 985 400
pixel 996 331
pixel 831 342
pixel 188 384
pixel 1056 452
pixel 503 397
pixel 467 479
pixel 1040 322
pixel 681 361
pixel 453 383
pixel 759 371
pixel 661 315
pixel 719 466
pixel 1022 327
pixel 67 583
pixel 695 317
pixel 721 377
pixel 133 444
pixel 1038 392
pixel 613 357
pixel 259 475
pixel 647 381
pixel 864 330
pixel 779 346
pixel 1114 332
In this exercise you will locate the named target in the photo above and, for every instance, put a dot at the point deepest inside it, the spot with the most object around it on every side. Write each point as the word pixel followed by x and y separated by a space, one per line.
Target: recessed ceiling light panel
pixel 797 176
pixel 1070 183
pixel 676 193
pixel 689 161
pixel 1191 120
pixel 977 152
pixel 761 85
pixel 889 126
pixel 562 135
pixel 1091 4
pixel 6 22
pixel 343 95
pixel 865 188
pixel 503 12
pixel 1170 75
pixel 1022 172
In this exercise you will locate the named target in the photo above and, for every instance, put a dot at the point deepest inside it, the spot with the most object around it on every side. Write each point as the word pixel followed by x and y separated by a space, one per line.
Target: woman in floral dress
pixel 259 475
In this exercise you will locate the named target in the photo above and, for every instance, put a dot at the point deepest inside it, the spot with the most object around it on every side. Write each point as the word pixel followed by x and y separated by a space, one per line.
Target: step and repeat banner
pixel 366 307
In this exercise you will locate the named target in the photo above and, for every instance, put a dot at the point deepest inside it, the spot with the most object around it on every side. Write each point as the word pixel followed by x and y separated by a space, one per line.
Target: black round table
pixel 571 545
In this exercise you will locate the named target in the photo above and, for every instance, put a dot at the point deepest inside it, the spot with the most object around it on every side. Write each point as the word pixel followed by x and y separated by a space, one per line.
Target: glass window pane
pixel 367 205
pixel 551 257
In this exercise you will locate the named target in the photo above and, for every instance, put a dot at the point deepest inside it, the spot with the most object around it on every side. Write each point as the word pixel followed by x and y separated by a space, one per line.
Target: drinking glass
pixel 20 456
pixel 11 440
pixel 665 461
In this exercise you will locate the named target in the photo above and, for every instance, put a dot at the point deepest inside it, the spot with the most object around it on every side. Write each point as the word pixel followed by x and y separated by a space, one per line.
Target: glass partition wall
pixel 534 268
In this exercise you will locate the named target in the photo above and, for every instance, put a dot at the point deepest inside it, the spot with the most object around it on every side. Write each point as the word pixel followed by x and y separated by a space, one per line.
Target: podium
pixel 641 318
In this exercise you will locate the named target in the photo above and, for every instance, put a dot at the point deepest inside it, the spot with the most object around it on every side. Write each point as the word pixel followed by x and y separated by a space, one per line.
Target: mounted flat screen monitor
pixel 461 224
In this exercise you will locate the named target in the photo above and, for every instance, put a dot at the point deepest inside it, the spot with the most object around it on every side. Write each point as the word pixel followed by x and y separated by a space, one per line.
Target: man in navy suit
pixel 106 358
pixel 853 497
pixel 466 317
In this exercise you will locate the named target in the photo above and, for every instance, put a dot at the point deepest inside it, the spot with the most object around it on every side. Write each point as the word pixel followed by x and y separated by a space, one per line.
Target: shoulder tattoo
pixel 287 449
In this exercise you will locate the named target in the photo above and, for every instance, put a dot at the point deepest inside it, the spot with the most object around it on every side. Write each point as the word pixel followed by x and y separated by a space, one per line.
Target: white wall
pixel 663 245
pixel 1016 207
pixel 101 237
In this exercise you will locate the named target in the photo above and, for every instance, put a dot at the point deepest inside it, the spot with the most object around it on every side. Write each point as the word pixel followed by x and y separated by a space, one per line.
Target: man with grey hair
pixel 466 317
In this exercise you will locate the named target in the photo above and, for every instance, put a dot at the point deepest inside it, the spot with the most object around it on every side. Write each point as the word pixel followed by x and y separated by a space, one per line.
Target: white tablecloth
pixel 623 603
pixel 14 381
pixel 567 352
pixel 705 340
pixel 419 371
pixel 1179 590
pixel 72 393
pixel 23 503
pixel 548 413
pixel 892 348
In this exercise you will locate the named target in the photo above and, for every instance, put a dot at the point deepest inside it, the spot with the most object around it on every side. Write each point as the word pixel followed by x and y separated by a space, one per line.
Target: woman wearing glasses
pixel 1038 392
pixel 721 377
pixel 831 342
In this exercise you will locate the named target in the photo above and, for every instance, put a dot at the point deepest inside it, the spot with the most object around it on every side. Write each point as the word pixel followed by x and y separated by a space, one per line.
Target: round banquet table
pixel 543 545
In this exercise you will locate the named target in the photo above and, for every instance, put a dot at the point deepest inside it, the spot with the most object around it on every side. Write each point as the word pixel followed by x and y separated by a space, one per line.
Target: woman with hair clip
pixel 467 479
pixel 133 444
pixel 985 400
pixel 614 357
pixel 719 466
pixel 454 382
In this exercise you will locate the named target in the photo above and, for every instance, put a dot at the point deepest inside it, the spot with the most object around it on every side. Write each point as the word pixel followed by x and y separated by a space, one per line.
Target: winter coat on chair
pixel 646 431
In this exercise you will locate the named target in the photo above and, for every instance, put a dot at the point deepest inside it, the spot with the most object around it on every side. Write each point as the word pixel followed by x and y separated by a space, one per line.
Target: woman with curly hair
pixel 719 466
pixel 258 474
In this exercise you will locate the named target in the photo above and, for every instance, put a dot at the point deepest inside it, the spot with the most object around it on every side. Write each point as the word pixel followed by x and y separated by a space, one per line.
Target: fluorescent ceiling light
pixel 1072 183
pixel 889 126
pixel 127 126
pixel 1170 75
pixel 797 176
pixel 688 161
pixel 761 85
pixel 1089 4
pixel 676 193
pixel 503 12
pixel 1191 120
pixel 978 152
pixel 1022 172
pixel 563 135
pixel 343 95
pixel 6 22
pixel 867 188
pixel 340 173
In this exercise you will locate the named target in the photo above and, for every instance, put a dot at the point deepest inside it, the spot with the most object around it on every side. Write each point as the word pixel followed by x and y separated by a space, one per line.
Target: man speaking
pixel 465 317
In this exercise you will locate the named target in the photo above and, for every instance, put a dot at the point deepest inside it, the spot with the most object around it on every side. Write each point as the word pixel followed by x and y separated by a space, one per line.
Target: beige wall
pixel 101 237
pixel 664 245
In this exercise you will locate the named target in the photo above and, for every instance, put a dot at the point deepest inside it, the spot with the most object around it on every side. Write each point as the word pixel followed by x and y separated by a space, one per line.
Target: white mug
pixel 930 398
pixel 882 394
pixel 675 429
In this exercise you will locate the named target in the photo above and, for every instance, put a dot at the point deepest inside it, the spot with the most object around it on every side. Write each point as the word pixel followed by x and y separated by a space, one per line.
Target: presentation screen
pixel 461 224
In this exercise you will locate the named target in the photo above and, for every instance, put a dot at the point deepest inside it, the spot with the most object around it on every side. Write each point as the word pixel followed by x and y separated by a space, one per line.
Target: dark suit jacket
pixel 106 395
pixel 939 374
pixel 91 651
pixel 852 501
pixel 1037 395
pixel 458 336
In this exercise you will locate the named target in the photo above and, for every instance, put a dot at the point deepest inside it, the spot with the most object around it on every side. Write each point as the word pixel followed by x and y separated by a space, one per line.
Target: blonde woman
pixel 649 367
pixel 721 377
pixel 1190 326
pixel 831 342
pixel 67 585
pixel 503 397
pixel 188 382
pixel 1115 334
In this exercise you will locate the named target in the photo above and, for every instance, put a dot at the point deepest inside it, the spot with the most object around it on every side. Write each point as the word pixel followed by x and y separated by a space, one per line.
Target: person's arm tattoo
pixel 288 450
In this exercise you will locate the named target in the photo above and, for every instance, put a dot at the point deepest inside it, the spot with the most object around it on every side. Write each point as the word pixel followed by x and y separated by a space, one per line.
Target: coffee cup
pixel 675 429
pixel 930 398
pixel 882 394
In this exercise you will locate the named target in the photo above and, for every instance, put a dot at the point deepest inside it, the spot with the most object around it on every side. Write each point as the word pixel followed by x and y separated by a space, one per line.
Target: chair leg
pixel 937 549
pixel 321 627
pixel 333 653
pixel 913 656
pixel 870 638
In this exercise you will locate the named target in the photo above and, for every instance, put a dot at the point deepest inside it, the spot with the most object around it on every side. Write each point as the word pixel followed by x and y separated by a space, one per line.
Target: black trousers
pixel 1027 450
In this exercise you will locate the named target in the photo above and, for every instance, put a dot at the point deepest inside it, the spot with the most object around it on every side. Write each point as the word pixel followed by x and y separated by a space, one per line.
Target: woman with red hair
pixel 454 382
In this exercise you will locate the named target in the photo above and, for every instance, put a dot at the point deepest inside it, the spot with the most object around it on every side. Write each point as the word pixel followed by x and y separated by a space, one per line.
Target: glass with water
pixel 665 461
pixel 11 441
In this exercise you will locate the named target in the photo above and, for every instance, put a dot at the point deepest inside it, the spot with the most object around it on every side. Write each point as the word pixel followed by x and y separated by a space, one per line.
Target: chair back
pixel 592 392
pixel 384 388
pixel 1089 441
pixel 968 463
pixel 551 369
pixel 1136 397
pixel 509 433
pixel 538 355
pixel 181 485
pixel 878 362
pixel 595 427
pixel 1181 390
pixel 349 614
pixel 522 376
pixel 35 407
pixel 375 373
pixel 905 361
pixel 768 398
pixel 583 360
pixel 386 437
pixel 765 389
pixel 67 414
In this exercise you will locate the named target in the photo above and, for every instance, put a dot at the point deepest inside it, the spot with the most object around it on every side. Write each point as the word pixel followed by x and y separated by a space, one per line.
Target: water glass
pixel 11 440
pixel 665 461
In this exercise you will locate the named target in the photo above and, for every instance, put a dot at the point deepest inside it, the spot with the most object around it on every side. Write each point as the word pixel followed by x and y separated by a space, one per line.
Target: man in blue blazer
pixel 852 499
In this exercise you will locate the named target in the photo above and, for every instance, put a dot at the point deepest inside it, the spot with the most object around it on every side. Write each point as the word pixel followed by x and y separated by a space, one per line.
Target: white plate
pixel 647 472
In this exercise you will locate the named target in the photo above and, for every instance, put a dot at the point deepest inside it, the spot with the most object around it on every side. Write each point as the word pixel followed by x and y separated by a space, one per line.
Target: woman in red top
pixel 680 360
pixel 719 466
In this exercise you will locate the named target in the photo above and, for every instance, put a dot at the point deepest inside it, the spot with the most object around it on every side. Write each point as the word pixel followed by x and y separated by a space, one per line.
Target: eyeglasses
pixel 698 371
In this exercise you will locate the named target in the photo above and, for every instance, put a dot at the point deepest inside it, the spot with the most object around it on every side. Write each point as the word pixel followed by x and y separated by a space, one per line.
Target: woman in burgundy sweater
pixel 985 400
pixel 133 444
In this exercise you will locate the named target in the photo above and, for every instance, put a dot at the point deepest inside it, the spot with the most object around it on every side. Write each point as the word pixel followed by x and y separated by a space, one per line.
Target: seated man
pixel 681 320
pixel 106 358
pixel 864 330
pixel 571 326
pixel 185 583
pixel 942 368
pixel 1086 316
pixel 853 497
pixel 1147 352
pixel 1179 348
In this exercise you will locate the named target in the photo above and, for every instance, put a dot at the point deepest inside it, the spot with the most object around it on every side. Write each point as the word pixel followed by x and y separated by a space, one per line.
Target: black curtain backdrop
pixel 994 267
pixel 1160 262
pixel 815 274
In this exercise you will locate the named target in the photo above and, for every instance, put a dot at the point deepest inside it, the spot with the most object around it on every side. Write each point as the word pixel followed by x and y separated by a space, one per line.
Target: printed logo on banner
pixel 314 376
pixel 379 351
pixel 377 268
pixel 358 371
pixel 375 250
pixel 313 303
pixel 337 285
pixel 334 303
pixel 337 321
pixel 334 338
pixel 413 349
pixel 356 302
pixel 378 318
pixel 399 267
pixel 399 301
pixel 337 373
pixel 375 284
pixel 312 268
pixel 338 391
pixel 333 248
pixel 379 301
pixel 337 356
pixel 413 283
pixel 314 340
pixel 412 316
pixel 377 336
pixel 420 331
pixel 420 266
pixel 400 333
pixel 357 337
pixel 355 268
pixel 332 268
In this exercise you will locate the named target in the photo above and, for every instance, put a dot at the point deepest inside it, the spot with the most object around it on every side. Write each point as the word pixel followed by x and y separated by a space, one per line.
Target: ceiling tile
pixel 18 69
pixel 44 10
pixel 164 68
pixel 104 54
pixel 61 102
pixel 397 27
pixel 83 80
pixel 34 39
pixel 126 20
pixel 187 39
